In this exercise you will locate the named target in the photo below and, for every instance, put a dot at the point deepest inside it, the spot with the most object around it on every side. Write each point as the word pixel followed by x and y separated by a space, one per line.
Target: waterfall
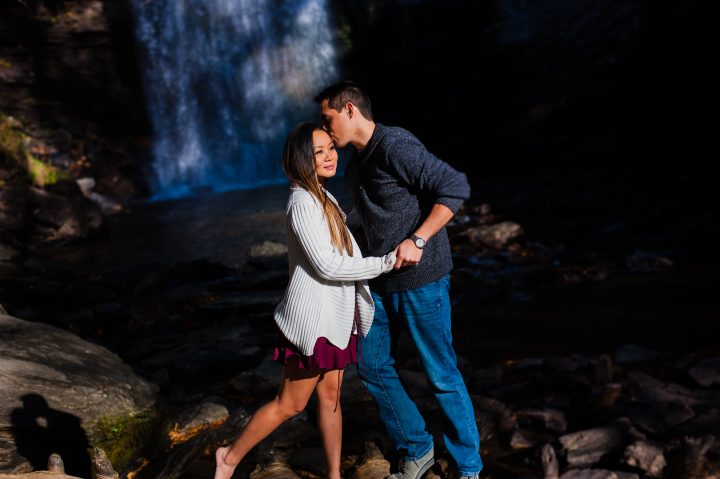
pixel 225 80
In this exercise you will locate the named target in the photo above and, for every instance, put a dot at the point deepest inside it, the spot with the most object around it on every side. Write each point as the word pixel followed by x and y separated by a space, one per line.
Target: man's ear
pixel 350 108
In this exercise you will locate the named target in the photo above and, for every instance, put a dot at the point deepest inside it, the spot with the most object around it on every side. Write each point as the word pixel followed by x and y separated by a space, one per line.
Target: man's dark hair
pixel 339 94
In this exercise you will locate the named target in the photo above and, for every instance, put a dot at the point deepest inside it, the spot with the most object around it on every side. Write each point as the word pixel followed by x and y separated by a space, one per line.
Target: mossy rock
pixel 124 438
pixel 13 145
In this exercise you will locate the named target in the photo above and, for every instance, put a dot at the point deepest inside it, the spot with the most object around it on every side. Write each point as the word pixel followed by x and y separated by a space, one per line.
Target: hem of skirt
pixel 310 363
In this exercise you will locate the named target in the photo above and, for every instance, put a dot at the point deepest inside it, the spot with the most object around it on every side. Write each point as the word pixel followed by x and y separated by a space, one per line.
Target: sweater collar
pixel 378 134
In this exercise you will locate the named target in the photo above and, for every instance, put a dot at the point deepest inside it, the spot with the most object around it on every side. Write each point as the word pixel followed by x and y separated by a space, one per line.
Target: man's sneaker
pixel 409 469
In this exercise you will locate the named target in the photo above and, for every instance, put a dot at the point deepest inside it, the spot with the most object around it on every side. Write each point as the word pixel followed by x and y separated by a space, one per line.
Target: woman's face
pixel 326 156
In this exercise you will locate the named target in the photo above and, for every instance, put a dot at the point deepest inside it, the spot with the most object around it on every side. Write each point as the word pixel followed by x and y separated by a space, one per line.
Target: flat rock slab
pixel 60 393
pixel 38 475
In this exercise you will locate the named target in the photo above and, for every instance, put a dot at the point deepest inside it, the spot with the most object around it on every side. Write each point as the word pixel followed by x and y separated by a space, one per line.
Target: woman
pixel 325 303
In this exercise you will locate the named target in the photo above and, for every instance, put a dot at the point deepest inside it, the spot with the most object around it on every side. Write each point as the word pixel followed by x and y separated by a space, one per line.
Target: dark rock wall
pixel 507 88
pixel 71 65
pixel 71 107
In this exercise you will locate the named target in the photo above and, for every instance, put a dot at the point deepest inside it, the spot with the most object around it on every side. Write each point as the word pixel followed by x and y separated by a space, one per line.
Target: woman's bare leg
pixel 330 419
pixel 297 386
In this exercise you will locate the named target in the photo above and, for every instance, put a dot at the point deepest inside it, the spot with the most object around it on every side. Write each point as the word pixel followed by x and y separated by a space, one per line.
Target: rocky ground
pixel 588 347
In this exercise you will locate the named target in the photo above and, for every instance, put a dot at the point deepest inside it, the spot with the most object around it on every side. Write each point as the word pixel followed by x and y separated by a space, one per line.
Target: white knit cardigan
pixel 327 292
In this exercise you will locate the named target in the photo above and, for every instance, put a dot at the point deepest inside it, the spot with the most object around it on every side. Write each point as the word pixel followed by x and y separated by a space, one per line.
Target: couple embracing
pixel 403 198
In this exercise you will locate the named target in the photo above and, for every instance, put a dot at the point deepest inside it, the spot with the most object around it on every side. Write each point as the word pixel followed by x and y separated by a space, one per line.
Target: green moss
pixel 11 139
pixel 12 146
pixel 124 437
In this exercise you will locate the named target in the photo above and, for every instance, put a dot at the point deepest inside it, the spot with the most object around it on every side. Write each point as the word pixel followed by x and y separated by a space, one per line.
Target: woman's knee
pixel 291 408
pixel 328 397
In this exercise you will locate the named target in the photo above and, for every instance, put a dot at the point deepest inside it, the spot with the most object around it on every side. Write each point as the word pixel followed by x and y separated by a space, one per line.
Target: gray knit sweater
pixel 394 182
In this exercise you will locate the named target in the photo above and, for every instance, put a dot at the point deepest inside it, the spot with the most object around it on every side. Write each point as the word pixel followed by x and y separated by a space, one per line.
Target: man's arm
pixel 407 253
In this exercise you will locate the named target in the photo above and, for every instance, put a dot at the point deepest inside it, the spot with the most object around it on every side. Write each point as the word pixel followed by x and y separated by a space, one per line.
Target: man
pixel 403 197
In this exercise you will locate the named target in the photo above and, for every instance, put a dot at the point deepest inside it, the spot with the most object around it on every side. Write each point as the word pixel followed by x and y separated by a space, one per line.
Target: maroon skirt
pixel 325 354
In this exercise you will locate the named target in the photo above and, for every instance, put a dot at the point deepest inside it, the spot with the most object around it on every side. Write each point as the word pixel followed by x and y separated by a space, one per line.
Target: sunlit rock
pixel 585 448
pixel 706 372
pixel 206 415
pixel 59 393
pixel 597 474
pixel 373 465
pixel 494 236
pixel 646 456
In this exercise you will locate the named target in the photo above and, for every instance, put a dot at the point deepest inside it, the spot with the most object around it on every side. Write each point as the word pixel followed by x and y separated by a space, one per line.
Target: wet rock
pixel 8 253
pixel 161 377
pixel 268 255
pixel 373 465
pixel 213 362
pixel 566 364
pixel 630 353
pixel 275 467
pixel 465 368
pixel 706 372
pixel 59 392
pixel 107 205
pixel 522 440
pixel 502 414
pixel 207 415
pixel 706 423
pixel 690 460
pixel 526 363
pixel 646 456
pixel 309 459
pixel 69 216
pixel 647 262
pixel 639 415
pixel 102 466
pixel 493 236
pixel 604 396
pixel 486 426
pixel 245 302
pixel 651 390
pixel 552 419
pixel 486 379
pixel 549 462
pixel 597 474
pixel 603 371
pixel 585 448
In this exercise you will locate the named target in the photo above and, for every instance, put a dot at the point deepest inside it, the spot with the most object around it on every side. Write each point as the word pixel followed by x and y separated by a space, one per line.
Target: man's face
pixel 336 123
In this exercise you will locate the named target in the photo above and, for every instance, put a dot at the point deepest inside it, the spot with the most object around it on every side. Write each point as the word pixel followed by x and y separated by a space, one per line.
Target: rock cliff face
pixel 59 393
pixel 70 107
pixel 71 64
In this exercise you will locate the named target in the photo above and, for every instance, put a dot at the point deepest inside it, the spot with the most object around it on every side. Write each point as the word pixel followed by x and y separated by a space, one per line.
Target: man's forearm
pixel 438 217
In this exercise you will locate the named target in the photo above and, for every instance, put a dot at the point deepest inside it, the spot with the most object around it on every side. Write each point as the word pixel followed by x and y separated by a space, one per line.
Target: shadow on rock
pixel 40 431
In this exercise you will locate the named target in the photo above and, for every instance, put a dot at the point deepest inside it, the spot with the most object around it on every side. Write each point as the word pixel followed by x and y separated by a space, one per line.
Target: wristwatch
pixel 419 242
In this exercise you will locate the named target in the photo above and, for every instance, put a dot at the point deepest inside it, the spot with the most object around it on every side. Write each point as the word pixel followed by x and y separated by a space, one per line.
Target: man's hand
pixel 407 254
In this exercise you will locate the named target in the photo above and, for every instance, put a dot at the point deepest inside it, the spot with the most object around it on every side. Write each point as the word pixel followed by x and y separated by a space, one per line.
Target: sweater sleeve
pixel 416 166
pixel 311 229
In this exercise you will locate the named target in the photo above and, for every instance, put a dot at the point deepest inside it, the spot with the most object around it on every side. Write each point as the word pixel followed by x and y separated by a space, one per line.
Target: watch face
pixel 419 242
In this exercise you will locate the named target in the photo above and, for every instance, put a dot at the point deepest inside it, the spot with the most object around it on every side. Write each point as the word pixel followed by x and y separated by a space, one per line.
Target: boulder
pixel 60 393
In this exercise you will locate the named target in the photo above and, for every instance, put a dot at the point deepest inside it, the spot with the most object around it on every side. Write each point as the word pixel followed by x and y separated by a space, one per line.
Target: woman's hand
pixel 389 261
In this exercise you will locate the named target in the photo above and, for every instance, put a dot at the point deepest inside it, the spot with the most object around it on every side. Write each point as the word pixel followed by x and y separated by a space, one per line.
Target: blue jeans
pixel 425 312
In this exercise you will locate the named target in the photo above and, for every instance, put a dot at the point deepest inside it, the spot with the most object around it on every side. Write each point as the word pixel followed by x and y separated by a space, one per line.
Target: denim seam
pixel 382 386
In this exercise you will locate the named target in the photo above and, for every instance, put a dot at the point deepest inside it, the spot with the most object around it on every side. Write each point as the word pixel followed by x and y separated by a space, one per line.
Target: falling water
pixel 225 81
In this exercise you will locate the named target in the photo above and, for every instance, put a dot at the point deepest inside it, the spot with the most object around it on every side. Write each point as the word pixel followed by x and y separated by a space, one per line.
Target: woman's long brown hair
pixel 299 167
